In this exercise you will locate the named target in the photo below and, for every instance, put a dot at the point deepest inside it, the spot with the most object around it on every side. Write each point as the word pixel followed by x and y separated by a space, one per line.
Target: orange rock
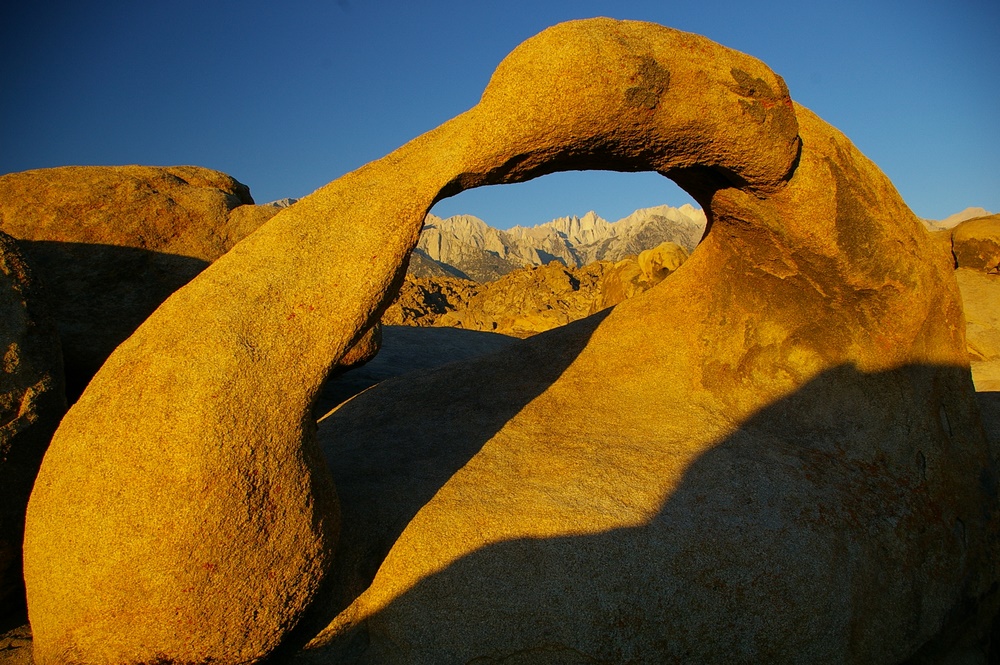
pixel 774 455
pixel 110 243
pixel 976 244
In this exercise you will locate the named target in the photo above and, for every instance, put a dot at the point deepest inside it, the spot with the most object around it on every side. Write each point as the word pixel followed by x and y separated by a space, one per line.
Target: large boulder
pixel 981 301
pixel 766 457
pixel 658 262
pixel 110 243
pixel 976 244
pixel 32 400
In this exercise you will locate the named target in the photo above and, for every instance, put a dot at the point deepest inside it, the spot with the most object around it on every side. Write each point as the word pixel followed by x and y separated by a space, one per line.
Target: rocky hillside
pixel 482 253
pixel 532 299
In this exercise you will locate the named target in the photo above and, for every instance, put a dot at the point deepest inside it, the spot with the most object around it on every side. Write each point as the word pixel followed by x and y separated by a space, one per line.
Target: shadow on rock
pixel 817 531
pixel 409 464
pixel 99 294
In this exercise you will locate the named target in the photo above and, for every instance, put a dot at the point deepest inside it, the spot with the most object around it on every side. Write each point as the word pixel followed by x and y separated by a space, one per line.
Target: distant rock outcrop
pixel 422 265
pixel 773 456
pixel 529 300
pixel 281 203
pixel 110 243
pixel 951 221
pixel 32 400
pixel 483 253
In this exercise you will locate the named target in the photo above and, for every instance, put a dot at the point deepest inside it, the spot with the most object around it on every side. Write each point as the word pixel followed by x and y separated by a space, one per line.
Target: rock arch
pixel 183 511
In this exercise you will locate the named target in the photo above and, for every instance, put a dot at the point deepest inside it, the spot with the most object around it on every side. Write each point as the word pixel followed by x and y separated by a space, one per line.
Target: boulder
pixel 981 301
pixel 112 242
pixel 976 244
pixel 32 400
pixel 622 281
pixel 657 263
pixel 766 457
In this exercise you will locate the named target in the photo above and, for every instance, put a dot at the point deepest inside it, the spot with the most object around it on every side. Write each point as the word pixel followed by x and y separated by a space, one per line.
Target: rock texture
pixel 479 252
pixel 110 243
pixel 32 400
pixel 981 301
pixel 657 263
pixel 976 244
pixel 767 457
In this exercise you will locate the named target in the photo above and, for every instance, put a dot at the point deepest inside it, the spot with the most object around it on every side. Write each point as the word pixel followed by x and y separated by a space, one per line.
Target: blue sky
pixel 288 96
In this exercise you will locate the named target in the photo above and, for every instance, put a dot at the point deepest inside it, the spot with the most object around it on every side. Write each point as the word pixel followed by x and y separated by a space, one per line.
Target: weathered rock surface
pixel 110 243
pixel 976 244
pixel 981 300
pixel 15 646
pixel 32 400
pixel 657 263
pixel 767 457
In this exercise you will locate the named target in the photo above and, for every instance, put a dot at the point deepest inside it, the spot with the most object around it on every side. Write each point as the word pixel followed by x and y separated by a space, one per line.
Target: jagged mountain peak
pixel 470 245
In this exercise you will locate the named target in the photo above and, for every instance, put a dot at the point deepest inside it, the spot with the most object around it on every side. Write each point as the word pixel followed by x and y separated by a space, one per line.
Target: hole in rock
pixel 612 195
pixel 574 218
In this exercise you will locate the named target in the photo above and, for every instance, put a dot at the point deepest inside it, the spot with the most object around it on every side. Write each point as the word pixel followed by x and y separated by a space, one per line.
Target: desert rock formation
pixel 976 244
pixel 529 300
pixel 32 401
pixel 981 302
pixel 766 457
pixel 110 243
pixel 407 349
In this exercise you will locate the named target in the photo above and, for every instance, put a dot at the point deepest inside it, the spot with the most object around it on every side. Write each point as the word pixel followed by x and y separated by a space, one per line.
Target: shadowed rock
pixel 32 401
pixel 110 243
pixel 204 525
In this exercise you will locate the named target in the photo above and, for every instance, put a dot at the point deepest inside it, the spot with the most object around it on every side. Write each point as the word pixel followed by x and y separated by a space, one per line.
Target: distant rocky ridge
pixel 532 299
pixel 951 221
pixel 281 203
pixel 482 253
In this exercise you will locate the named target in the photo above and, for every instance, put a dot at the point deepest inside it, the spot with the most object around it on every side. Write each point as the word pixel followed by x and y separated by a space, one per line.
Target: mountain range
pixel 466 246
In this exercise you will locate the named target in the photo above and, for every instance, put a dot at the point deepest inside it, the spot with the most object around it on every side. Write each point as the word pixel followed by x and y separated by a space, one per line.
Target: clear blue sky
pixel 286 96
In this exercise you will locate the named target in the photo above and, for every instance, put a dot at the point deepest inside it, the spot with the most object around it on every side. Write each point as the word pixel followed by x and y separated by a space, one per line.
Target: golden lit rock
pixel 773 456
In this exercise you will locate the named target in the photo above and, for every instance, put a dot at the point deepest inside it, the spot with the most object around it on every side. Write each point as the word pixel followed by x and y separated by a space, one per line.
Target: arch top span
pixel 630 96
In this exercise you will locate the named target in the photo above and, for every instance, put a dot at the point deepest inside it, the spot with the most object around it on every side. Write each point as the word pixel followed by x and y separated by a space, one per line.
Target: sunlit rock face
pixel 528 300
pixel 32 400
pixel 976 244
pixel 772 456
